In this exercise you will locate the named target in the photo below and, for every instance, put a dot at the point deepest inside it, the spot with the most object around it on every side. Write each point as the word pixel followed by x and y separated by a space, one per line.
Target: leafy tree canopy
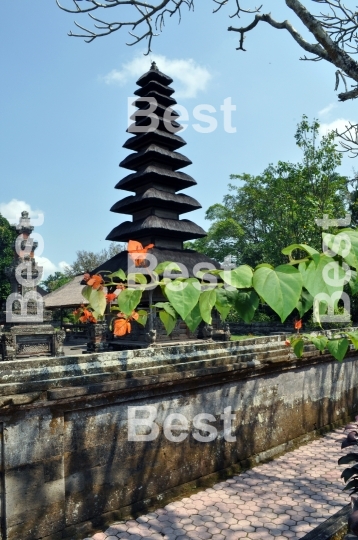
pixel 55 281
pixel 279 206
pixel 7 237
pixel 88 260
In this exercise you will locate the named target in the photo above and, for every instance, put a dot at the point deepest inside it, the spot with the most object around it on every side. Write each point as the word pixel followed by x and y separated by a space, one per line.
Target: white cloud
pixel 49 267
pixel 341 124
pixel 328 109
pixel 192 77
pixel 12 210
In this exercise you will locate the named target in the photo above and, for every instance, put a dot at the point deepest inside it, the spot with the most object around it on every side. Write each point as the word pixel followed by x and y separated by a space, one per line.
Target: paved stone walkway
pixel 280 500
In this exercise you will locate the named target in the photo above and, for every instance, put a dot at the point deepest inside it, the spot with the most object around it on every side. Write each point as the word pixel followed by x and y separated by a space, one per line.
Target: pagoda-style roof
pixel 154 86
pixel 154 75
pixel 156 206
pixel 170 228
pixel 155 154
pixel 153 196
pixel 175 180
pixel 188 257
pixel 158 137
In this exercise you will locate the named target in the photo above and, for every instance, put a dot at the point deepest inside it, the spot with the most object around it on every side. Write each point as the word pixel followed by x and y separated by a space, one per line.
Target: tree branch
pixel 313 48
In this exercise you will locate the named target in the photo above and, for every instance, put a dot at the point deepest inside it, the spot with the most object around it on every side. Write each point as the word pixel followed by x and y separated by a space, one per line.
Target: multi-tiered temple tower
pixel 156 206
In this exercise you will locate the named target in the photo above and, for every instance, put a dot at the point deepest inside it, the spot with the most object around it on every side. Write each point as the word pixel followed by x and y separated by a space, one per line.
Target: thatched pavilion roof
pixel 67 296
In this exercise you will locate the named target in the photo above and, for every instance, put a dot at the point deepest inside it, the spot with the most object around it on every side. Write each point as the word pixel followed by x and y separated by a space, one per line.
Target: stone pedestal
pixel 23 341
pixel 98 336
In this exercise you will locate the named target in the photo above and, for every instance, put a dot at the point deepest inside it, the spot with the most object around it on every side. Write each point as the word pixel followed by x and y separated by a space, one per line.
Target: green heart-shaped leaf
pixel 183 295
pixel 338 348
pixel 194 318
pixel 206 303
pixel 240 278
pixel 168 321
pixel 128 300
pixel 246 303
pixel 320 342
pixel 279 287
pixel 98 302
pixel 225 301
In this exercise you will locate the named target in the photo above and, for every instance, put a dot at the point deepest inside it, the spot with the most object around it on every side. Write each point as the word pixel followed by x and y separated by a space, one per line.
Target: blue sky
pixel 63 112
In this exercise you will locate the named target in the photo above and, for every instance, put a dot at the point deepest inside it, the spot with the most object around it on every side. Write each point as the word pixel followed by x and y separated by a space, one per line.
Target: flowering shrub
pixel 315 280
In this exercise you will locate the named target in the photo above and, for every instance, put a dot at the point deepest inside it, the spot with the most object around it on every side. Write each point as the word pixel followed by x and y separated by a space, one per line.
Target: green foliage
pixel 285 289
pixel 128 300
pixel 55 281
pixel 279 206
pixel 87 261
pixel 7 237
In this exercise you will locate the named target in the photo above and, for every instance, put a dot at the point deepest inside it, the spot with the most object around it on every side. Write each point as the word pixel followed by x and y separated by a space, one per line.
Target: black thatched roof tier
pixel 154 86
pixel 153 197
pixel 188 257
pixel 154 227
pixel 174 180
pixel 155 154
pixel 144 124
pixel 154 75
pixel 142 101
pixel 158 137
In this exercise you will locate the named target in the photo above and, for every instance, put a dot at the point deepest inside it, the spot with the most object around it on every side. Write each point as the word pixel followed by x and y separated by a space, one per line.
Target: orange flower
pixel 110 297
pixel 121 327
pixel 137 252
pixel 95 282
pixel 298 324
pixel 287 342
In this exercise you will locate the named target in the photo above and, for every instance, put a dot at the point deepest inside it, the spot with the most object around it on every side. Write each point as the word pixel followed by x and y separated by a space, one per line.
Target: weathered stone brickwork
pixel 67 464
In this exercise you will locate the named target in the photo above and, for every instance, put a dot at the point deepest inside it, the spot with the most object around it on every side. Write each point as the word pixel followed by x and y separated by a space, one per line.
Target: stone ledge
pixel 334 528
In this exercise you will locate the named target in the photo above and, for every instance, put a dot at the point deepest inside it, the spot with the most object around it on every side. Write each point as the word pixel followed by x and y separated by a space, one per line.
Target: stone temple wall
pixel 68 467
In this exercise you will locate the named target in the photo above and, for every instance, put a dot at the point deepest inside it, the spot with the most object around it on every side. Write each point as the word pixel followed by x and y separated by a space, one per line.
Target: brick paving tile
pixel 280 500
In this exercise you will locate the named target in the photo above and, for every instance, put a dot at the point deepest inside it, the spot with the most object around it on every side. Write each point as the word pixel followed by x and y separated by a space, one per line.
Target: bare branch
pixel 146 14
pixel 349 140
pixel 313 48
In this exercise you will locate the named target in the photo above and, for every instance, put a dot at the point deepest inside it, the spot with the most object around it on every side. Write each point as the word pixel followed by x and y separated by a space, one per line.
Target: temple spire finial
pixel 154 66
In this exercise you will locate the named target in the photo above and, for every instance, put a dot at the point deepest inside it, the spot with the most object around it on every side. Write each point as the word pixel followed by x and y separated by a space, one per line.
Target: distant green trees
pixel 54 281
pixel 279 207
pixel 7 237
pixel 86 261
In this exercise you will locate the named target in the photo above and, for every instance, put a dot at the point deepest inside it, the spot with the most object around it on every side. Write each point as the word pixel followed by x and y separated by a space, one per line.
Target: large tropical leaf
pixel 305 302
pixel 225 301
pixel 345 244
pixel 98 301
pixel 327 277
pixel 168 320
pixel 128 300
pixel 240 278
pixel 246 304
pixel 183 295
pixel 279 287
pixel 194 318
pixel 167 265
pixel 206 303
pixel 338 348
